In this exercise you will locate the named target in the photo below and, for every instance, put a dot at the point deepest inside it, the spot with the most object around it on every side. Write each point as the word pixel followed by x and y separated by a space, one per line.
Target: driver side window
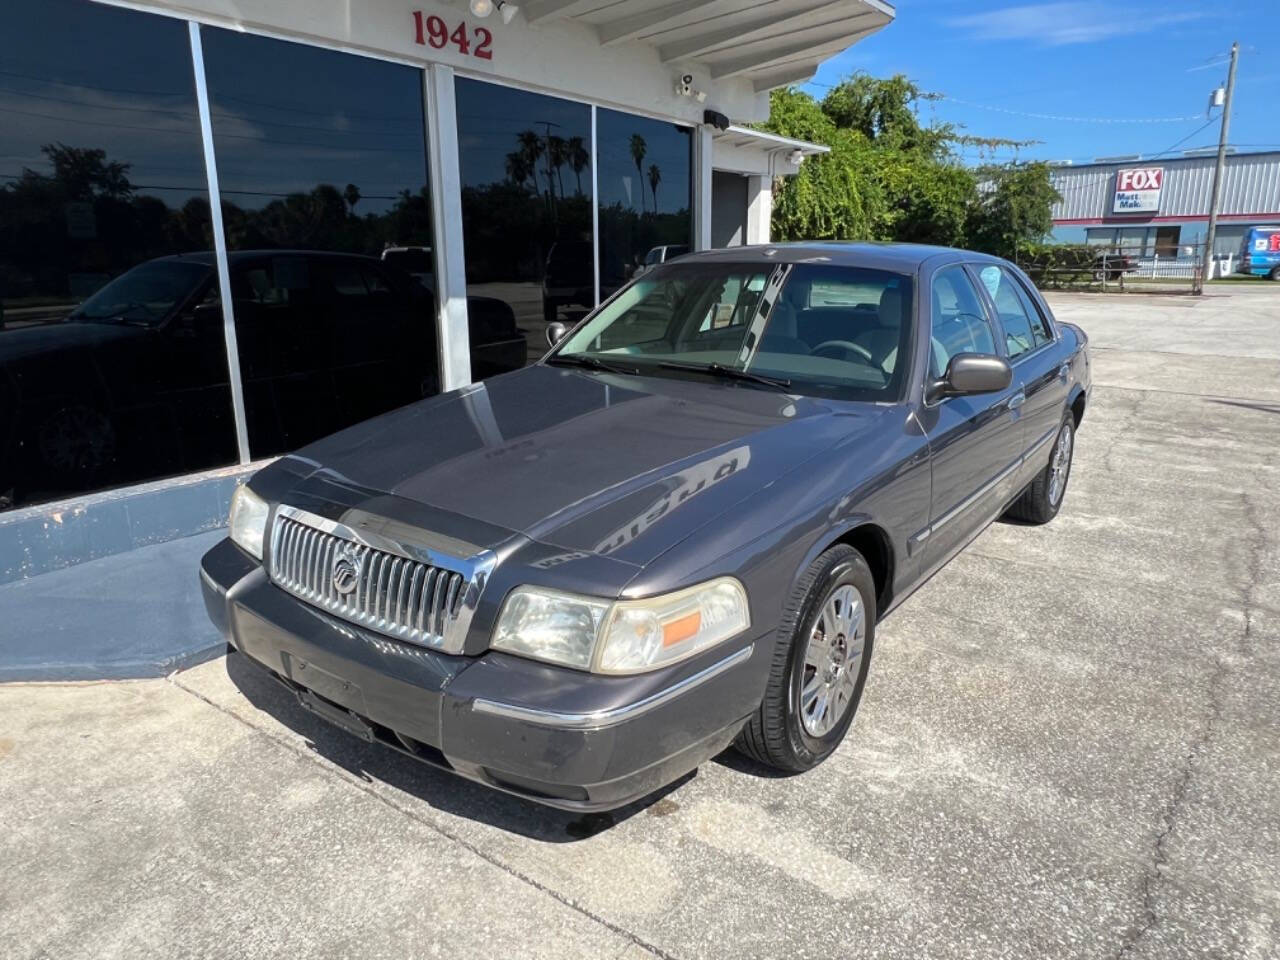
pixel 958 323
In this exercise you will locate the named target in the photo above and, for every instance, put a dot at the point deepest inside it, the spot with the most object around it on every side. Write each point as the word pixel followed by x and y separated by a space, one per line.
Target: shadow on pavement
pixel 439 789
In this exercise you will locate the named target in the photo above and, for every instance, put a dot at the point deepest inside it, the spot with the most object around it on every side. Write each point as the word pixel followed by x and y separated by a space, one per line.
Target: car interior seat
pixel 881 340
pixel 781 336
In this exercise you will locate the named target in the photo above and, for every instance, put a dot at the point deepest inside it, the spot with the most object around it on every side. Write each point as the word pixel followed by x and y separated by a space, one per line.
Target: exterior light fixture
pixel 481 8
pixel 507 10
pixel 796 156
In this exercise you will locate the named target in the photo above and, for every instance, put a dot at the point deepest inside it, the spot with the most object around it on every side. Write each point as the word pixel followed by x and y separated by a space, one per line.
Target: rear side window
pixel 958 323
pixel 1039 326
pixel 1013 308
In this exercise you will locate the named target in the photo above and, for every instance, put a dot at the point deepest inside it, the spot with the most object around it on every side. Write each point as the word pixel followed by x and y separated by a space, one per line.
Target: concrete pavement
pixel 1069 747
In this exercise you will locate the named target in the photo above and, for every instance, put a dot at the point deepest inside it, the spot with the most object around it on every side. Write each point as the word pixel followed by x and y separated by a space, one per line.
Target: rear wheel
pixel 1041 500
pixel 1274 274
pixel 819 665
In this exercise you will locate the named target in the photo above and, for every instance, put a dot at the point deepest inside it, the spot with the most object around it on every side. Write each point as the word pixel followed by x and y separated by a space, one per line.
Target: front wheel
pixel 819 665
pixel 1041 500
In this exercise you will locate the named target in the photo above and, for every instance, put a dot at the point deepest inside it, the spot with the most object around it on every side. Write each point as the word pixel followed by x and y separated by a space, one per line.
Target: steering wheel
pixel 844 345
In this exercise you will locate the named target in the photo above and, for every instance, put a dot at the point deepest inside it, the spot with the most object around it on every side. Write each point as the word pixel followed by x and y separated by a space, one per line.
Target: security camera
pixel 684 86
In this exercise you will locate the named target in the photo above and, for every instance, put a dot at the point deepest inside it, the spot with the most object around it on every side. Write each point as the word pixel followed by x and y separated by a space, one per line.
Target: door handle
pixel 1017 400
pixel 1064 371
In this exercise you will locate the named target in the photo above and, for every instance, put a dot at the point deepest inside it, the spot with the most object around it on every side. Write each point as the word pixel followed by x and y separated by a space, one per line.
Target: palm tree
pixel 557 157
pixel 638 150
pixel 655 178
pixel 579 158
pixel 532 146
pixel 352 195
pixel 518 168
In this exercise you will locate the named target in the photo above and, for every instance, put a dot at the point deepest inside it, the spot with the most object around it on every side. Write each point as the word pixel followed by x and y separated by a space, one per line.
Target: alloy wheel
pixel 832 660
pixel 1060 465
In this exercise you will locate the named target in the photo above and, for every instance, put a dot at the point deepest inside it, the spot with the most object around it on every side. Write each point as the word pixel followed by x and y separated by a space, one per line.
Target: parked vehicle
pixel 658 255
pixel 579 580
pixel 569 278
pixel 116 389
pixel 414 260
pixel 1113 266
pixel 1260 252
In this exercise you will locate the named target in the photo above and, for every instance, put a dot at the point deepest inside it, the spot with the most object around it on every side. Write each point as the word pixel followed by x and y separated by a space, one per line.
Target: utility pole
pixel 1206 270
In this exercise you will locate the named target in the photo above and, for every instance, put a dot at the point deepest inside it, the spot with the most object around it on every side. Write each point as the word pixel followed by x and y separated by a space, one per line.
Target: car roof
pixel 896 257
pixel 207 256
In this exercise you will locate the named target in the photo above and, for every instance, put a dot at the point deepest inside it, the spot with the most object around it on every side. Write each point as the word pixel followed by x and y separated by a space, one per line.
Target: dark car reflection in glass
pixel 101 170
pixel 116 390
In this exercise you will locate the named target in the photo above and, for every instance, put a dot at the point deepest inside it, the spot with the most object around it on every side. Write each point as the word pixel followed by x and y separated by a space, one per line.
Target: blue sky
pixel 998 62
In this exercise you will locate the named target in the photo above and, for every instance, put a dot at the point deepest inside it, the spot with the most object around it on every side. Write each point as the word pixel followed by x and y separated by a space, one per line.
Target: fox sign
pixel 1138 190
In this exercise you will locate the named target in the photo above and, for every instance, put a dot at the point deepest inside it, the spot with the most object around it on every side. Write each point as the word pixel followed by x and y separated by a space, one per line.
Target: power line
pixel 1066 119
pixel 1037 116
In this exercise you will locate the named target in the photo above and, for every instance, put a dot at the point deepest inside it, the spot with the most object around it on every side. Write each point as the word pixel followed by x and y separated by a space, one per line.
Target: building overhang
pixel 769 44
pixel 755 152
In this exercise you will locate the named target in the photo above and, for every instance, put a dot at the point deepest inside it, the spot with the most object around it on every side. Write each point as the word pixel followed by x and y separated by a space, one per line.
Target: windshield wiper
pixel 591 363
pixel 728 373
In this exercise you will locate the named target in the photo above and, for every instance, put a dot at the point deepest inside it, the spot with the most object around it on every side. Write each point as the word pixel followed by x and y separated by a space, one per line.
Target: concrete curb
pixel 49 537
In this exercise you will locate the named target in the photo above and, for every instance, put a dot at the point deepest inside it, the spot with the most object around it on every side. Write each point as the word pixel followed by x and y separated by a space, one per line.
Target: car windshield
pixel 815 329
pixel 144 295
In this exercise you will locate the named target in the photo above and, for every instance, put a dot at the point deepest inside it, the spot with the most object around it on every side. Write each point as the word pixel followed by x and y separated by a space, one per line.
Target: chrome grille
pixel 401 597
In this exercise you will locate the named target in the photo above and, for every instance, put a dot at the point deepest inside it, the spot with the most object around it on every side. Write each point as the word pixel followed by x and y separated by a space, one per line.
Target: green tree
pixel 890 177
pixel 1013 209
pixel 831 197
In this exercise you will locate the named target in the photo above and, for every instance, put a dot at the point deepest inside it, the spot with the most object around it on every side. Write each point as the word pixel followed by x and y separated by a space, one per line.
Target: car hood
pixel 21 342
pixel 599 463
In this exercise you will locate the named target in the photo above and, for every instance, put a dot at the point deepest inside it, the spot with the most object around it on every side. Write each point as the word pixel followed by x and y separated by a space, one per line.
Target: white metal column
pixel 446 209
pixel 702 188
pixel 759 208
pixel 595 208
pixel 219 245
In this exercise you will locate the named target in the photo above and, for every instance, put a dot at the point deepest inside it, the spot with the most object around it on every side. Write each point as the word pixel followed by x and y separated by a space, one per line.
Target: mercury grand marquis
pixel 676 532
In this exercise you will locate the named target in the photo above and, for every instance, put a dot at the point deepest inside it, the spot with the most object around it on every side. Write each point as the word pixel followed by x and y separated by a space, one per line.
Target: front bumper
pixel 562 737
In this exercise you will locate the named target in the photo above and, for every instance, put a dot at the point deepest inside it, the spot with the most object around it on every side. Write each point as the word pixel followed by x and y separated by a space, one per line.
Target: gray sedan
pixel 676 532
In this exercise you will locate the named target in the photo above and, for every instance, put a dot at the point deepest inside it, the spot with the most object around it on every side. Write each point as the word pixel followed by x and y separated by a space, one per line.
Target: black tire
pixel 776 735
pixel 1037 503
pixel 1274 274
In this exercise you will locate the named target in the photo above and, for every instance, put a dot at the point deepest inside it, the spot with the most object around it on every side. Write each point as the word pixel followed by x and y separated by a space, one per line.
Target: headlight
pixel 626 636
pixel 248 521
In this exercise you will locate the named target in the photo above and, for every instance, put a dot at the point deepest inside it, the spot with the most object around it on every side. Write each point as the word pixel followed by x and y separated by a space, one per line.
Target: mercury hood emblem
pixel 346 571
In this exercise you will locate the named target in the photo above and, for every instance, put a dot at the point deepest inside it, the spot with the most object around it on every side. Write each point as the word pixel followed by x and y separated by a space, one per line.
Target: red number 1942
pixel 434 31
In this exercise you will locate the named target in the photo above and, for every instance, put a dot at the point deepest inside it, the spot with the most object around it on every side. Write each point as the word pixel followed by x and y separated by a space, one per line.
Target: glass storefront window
pixel 323 172
pixel 525 160
pixel 1132 241
pixel 112 360
pixel 646 194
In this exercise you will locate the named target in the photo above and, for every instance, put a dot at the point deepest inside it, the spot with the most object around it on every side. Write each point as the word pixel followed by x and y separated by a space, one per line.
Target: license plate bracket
pixel 338 716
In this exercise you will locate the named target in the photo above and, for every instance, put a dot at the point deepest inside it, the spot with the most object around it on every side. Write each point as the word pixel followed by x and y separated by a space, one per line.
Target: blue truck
pixel 1260 252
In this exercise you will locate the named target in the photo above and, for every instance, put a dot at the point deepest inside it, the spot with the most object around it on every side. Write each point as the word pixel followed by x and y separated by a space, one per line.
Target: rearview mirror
pixel 555 332
pixel 970 373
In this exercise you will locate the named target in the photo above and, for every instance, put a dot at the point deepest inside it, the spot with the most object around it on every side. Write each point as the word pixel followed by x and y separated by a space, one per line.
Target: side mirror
pixel 970 373
pixel 555 332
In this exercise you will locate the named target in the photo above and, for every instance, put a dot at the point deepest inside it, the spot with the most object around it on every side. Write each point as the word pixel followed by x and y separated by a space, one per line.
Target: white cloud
pixel 1075 21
